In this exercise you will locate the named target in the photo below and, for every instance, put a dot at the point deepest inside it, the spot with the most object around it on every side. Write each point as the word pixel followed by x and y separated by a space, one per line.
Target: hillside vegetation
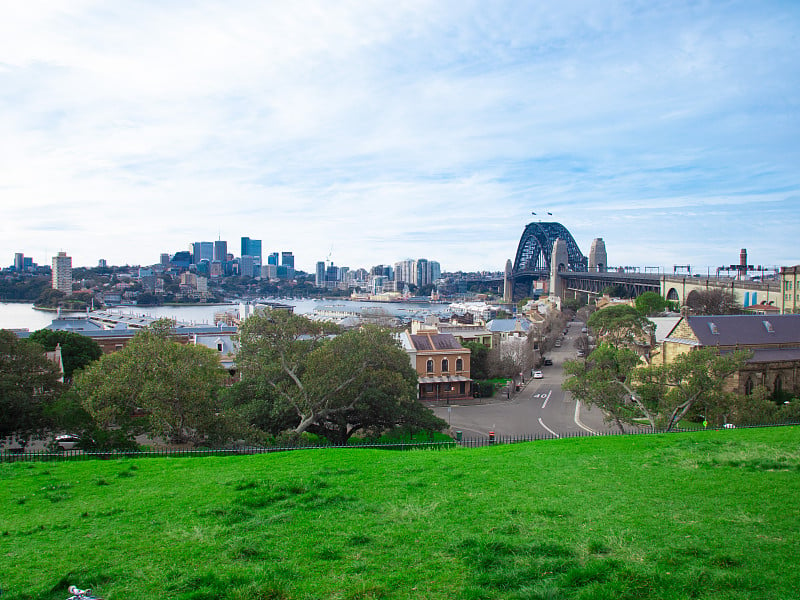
pixel 693 515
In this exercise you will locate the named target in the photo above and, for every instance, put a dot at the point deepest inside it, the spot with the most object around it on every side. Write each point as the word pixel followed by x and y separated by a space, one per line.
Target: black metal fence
pixel 419 444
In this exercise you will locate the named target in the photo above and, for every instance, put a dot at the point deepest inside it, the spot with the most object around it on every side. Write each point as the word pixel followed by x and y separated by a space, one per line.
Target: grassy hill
pixel 697 515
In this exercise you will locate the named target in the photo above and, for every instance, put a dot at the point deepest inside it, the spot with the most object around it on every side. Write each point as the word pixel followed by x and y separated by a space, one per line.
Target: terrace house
pixel 441 363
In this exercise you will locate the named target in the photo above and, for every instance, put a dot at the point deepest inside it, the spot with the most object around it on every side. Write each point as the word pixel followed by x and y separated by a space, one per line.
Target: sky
pixel 368 132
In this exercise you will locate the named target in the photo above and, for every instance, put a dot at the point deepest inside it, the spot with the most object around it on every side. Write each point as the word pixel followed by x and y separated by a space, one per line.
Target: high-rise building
pixel 202 251
pixel 272 259
pixel 405 271
pixel 287 259
pixel 251 248
pixel 423 272
pixel 436 270
pixel 19 261
pixel 319 279
pixel 62 273
pixel 220 251
pixel 164 259
pixel 248 266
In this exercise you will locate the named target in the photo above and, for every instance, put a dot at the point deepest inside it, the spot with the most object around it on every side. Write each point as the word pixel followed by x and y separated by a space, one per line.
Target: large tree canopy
pixel 28 383
pixel 77 350
pixel 335 386
pixel 168 388
pixel 623 325
pixel 613 379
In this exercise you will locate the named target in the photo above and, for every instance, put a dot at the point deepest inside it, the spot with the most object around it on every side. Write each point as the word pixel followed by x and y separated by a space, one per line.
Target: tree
pixel 77 350
pixel 613 380
pixel 479 360
pixel 669 392
pixel 174 386
pixel 713 301
pixel 359 380
pixel 623 325
pixel 651 303
pixel 615 291
pixel 28 383
pixel 604 380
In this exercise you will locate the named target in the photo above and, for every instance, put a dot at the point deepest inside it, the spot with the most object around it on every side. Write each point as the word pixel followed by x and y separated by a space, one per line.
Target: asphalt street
pixel 540 409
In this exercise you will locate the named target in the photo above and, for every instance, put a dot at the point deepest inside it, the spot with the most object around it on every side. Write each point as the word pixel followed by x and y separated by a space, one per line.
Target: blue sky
pixel 378 131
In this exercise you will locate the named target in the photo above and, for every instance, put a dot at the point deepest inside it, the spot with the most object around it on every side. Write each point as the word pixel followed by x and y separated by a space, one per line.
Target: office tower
pixel 102 263
pixel 287 259
pixel 319 279
pixel 202 251
pixel 251 248
pixel 247 266
pixel 62 273
pixel 221 251
pixel 19 261
pixel 164 259
pixel 272 259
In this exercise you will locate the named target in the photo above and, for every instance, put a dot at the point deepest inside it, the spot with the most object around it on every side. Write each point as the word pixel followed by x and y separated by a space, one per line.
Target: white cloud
pixel 393 130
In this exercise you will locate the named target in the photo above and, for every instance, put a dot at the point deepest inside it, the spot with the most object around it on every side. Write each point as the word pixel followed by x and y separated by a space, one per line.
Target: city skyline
pixel 426 129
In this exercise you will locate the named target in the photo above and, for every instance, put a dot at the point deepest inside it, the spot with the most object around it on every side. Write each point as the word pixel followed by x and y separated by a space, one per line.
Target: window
pixel 713 327
pixel 777 388
pixel 219 346
pixel 768 326
pixel 429 366
pixel 459 364
pixel 445 365
pixel 748 386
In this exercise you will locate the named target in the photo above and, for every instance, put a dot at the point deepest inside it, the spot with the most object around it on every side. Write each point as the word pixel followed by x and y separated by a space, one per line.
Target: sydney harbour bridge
pixel 568 273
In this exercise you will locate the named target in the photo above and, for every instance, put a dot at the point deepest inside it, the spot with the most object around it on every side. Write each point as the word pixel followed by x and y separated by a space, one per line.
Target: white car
pixel 537 375
pixel 67 442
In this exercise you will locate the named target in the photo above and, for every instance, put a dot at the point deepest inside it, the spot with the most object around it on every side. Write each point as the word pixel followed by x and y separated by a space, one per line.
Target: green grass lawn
pixel 710 514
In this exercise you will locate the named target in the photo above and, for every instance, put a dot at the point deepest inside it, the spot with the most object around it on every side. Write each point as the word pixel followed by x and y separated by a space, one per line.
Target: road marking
pixel 546 427
pixel 578 418
pixel 546 399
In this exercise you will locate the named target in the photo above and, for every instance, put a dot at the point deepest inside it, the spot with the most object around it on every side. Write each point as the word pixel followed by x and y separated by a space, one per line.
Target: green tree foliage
pixel 28 383
pixel 479 360
pixel 615 291
pixel 77 350
pixel 651 303
pixel 613 380
pixel 622 325
pixel 357 381
pixel 174 386
pixel 604 380
pixel 694 379
pixel 50 298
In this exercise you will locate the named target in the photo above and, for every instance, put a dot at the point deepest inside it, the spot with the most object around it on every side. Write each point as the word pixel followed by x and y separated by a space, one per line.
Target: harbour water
pixel 24 316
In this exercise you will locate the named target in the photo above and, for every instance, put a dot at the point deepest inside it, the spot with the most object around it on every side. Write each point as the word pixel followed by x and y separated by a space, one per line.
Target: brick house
pixel 442 365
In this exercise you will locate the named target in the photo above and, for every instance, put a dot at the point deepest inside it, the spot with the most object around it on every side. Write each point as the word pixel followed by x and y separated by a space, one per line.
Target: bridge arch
pixel 536 247
pixel 672 295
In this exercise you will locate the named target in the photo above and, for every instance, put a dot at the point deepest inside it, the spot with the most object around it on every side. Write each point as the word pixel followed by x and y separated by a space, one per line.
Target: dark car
pixel 548 362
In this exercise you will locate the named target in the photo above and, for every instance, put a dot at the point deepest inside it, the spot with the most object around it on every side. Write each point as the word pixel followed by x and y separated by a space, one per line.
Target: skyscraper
pixel 272 259
pixel 221 251
pixel 252 248
pixel 62 273
pixel 19 261
pixel 287 259
pixel 202 251
pixel 319 280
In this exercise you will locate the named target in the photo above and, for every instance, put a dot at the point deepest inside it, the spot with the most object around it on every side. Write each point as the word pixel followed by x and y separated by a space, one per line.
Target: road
pixel 540 409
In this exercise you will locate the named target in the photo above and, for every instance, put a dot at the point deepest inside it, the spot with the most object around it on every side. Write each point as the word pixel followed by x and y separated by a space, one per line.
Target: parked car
pixel 580 353
pixel 67 442
pixel 538 375
pixel 548 362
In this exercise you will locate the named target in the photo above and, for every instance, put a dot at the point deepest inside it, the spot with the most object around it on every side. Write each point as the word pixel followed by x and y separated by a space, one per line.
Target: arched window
pixel 445 365
pixel 748 386
pixel 777 387
pixel 459 364
pixel 429 366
